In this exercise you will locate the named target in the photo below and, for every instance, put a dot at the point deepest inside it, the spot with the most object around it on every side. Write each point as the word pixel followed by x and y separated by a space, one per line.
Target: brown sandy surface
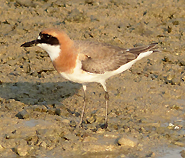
pixel 39 109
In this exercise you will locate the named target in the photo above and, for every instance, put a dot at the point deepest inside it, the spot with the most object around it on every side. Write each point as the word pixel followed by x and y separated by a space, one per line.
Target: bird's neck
pixel 66 60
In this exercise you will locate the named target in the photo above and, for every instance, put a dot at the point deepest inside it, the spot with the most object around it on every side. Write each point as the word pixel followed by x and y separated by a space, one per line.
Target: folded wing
pixel 109 57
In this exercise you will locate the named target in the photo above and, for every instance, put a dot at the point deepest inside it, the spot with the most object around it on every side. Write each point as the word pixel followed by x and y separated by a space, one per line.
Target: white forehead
pixel 39 38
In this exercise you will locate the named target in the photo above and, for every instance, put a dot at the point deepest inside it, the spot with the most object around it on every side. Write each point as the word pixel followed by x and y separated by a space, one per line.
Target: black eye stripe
pixel 48 39
pixel 46 36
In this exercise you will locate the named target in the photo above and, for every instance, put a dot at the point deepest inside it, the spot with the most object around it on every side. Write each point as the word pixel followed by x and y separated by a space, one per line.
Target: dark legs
pixel 106 106
pixel 106 103
pixel 83 110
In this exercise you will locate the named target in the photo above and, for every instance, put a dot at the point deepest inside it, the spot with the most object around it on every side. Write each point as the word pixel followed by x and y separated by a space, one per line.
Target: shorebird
pixel 86 61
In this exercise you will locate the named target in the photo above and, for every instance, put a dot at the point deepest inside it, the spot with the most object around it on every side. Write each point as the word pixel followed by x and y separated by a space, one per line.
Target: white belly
pixel 83 77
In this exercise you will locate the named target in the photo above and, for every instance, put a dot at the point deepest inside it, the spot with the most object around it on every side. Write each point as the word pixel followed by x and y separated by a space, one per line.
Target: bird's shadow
pixel 31 97
pixel 38 93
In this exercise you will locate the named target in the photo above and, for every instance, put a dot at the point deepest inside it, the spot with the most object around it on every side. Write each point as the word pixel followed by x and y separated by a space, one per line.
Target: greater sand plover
pixel 86 61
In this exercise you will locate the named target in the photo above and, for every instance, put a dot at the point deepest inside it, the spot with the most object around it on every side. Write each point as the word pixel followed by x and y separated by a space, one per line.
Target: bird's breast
pixel 65 62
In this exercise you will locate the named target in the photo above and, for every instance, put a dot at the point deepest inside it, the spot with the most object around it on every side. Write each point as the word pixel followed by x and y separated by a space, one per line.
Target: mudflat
pixel 39 110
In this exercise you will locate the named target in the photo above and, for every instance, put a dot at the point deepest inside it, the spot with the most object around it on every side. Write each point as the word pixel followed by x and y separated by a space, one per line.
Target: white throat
pixel 52 50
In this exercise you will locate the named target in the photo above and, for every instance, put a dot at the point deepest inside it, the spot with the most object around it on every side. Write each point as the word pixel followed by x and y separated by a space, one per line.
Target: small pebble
pixel 126 141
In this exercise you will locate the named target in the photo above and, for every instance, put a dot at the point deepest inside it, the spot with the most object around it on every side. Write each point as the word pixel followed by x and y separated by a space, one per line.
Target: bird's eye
pixel 45 37
pixel 48 39
pixel 48 36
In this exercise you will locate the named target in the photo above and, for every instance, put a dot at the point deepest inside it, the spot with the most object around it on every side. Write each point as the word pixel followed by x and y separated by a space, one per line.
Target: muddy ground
pixel 39 110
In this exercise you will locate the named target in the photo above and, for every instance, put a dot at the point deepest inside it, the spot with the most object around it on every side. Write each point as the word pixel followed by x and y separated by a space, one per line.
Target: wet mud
pixel 39 110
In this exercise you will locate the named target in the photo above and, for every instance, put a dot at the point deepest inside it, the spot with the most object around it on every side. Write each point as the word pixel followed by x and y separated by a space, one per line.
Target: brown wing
pixel 104 57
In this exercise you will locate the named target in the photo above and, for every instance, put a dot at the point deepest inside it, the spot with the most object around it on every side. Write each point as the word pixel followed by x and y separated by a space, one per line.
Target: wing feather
pixel 104 57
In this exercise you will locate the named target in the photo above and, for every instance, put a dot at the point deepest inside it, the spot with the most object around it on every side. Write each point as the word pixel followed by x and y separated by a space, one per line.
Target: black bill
pixel 30 44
